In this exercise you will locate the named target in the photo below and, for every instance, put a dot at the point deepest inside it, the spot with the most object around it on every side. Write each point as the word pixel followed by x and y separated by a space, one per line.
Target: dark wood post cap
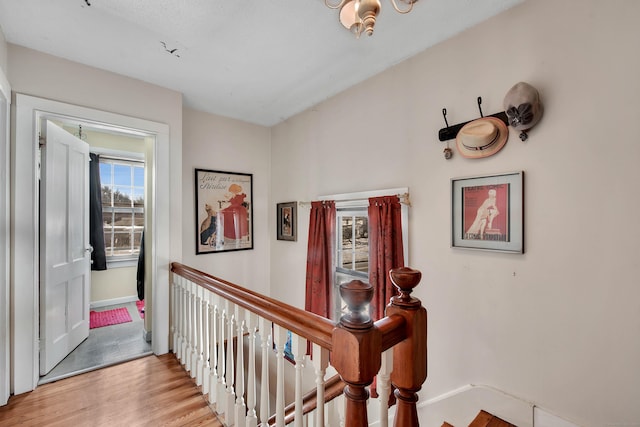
pixel 405 279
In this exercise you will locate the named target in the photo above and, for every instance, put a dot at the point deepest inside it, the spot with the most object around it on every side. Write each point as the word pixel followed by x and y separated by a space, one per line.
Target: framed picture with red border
pixel 487 212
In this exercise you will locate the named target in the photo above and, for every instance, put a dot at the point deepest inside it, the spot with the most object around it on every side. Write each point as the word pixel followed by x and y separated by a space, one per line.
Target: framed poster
pixel 287 218
pixel 224 211
pixel 488 212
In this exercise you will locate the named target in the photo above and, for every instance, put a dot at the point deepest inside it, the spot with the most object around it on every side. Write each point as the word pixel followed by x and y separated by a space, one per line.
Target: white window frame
pixel 357 203
pixel 125 157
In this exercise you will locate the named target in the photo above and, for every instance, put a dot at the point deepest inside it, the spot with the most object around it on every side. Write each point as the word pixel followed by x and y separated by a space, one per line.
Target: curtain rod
pixel 404 199
pixel 120 158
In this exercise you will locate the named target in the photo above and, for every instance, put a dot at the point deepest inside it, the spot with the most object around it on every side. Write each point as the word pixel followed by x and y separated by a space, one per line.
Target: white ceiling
pixel 260 61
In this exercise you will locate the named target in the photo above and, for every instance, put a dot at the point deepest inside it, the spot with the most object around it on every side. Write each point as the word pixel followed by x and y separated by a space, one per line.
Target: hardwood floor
pixel 152 391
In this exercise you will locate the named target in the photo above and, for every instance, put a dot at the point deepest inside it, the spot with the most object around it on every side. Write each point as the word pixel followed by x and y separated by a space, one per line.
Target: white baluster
pixel 189 334
pixel 213 348
pixel 172 321
pixel 264 326
pixel 186 356
pixel 222 364
pixel 298 348
pixel 185 323
pixel 252 324
pixel 206 356
pixel 279 339
pixel 199 361
pixel 194 330
pixel 174 318
pixel 320 363
pixel 181 305
pixel 335 417
pixel 241 408
pixel 229 410
pixel 187 331
pixel 383 386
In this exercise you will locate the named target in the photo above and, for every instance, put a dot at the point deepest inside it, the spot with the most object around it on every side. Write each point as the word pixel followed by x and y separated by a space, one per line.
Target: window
pixel 352 240
pixel 122 182
pixel 352 251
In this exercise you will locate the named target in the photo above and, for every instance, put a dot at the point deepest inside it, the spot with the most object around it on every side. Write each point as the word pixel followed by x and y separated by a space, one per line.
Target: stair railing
pixel 213 323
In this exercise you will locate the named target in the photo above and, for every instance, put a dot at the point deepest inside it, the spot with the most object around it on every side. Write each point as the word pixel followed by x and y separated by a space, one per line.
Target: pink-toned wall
pixel 559 325
pixel 218 143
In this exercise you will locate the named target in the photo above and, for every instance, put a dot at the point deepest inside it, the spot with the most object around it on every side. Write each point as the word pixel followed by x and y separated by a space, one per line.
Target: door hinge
pixel 42 141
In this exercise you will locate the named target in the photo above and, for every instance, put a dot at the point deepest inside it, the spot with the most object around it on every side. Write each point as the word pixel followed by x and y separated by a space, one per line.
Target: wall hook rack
pixel 450 132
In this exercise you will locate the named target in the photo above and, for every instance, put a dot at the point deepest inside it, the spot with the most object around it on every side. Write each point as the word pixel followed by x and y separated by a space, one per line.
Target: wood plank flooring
pixel 151 391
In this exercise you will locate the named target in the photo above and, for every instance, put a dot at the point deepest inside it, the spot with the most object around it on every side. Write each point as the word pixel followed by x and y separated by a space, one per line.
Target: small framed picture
pixel 287 219
pixel 488 212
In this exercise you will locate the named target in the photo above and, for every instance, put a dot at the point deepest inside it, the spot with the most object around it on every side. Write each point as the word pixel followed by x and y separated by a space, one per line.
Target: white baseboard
pixel 113 301
pixel 460 406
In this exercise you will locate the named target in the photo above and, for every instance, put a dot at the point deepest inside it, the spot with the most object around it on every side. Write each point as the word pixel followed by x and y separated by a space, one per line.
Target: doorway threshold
pixel 106 346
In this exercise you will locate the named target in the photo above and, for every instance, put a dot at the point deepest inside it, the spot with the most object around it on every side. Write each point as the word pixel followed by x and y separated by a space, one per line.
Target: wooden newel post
pixel 357 349
pixel 410 355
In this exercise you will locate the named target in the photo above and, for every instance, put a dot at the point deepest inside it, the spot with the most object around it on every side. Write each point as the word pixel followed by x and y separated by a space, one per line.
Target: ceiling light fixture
pixel 360 15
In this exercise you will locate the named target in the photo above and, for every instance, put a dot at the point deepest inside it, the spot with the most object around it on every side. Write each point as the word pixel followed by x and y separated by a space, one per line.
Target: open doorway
pixel 116 216
pixel 25 316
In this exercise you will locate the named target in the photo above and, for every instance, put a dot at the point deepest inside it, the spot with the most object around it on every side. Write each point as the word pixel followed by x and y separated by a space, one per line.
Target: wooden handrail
pixel 303 323
pixel 393 330
pixel 356 343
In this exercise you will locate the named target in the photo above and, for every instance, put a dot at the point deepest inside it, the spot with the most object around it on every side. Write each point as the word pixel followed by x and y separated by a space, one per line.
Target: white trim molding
pixel 5 254
pixel 113 301
pixel 24 232
pixel 461 405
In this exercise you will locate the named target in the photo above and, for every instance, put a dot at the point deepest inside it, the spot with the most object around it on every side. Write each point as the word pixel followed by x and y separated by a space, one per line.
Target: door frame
pixel 24 232
pixel 5 203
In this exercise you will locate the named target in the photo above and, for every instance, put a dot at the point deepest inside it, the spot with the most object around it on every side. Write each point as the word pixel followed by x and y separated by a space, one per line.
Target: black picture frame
pixel 287 221
pixel 223 210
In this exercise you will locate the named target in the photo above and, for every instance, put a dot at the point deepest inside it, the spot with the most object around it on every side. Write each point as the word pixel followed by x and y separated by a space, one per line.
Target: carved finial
pixel 405 279
pixel 357 295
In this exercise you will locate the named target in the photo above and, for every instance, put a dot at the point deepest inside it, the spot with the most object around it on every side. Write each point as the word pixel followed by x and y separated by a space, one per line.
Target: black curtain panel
pixel 140 272
pixel 96 231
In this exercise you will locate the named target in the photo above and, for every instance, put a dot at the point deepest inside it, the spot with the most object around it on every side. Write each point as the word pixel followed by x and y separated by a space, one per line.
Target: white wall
pixel 216 143
pixel 557 326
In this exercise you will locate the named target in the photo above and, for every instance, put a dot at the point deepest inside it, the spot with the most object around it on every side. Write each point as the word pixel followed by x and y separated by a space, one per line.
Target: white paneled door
pixel 65 255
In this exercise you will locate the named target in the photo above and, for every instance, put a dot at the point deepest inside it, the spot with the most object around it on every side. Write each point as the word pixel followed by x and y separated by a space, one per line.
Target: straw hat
pixel 482 137
pixel 235 188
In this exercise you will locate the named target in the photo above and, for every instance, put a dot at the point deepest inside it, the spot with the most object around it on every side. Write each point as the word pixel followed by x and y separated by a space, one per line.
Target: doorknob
pixel 89 249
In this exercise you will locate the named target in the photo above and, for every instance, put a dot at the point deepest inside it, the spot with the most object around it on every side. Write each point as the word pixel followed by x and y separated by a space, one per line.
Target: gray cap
pixel 522 106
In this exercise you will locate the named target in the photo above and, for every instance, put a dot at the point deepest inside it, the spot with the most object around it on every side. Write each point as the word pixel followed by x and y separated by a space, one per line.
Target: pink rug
pixel 140 305
pixel 98 319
